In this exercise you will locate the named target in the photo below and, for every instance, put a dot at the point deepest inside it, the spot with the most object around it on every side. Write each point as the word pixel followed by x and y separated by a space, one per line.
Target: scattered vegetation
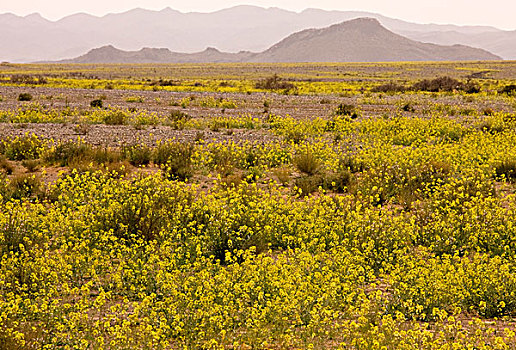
pixel 287 230
pixel 24 96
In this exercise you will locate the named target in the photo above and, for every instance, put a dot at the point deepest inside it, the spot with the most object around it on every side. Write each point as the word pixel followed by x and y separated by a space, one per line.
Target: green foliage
pixel 24 96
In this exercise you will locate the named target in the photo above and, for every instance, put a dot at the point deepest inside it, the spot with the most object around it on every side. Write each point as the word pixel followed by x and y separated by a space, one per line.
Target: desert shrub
pixel 23 147
pixel 274 82
pixel 138 155
pixel 25 186
pixel 178 119
pixel 307 163
pixel 141 209
pixel 437 84
pixel 223 161
pixel 347 110
pixel 5 166
pixel 164 82
pixel 31 165
pixel 97 103
pixel 295 136
pixel 175 159
pixel 28 79
pixel 471 87
pixel 24 96
pixel 283 175
pixel 506 169
pixel 337 181
pixel 446 84
pixel 308 184
pixel 116 169
pixel 81 129
pixel 352 164
pixel 66 153
pixel 115 118
pixel 508 90
pixel 75 153
pixel 135 99
pixel 408 108
pixel 104 155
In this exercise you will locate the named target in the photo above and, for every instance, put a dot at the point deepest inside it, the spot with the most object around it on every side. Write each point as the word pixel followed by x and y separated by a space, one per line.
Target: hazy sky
pixel 499 13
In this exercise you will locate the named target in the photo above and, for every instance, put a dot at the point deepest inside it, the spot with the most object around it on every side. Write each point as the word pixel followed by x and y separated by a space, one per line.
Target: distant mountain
pixel 33 38
pixel 359 40
pixel 502 43
pixel 110 54
pixel 363 40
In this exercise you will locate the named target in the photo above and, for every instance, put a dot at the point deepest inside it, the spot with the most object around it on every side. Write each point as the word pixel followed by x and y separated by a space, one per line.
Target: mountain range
pixel 358 40
pixel 241 28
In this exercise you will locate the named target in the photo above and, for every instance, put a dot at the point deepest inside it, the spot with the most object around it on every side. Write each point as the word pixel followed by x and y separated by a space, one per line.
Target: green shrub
pixel 175 159
pixel 115 118
pixel 66 153
pixel 337 181
pixel 25 186
pixel 508 90
pixel 23 147
pixel 178 119
pixel 31 165
pixel 507 170
pixel 309 184
pixel 274 82
pixel 97 103
pixel 347 110
pixel 25 96
pixel 307 163
pixel 138 155
pixel 5 166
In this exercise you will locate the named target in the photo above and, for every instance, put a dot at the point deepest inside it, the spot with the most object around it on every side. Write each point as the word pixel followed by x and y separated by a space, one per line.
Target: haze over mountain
pixel 358 40
pixel 248 28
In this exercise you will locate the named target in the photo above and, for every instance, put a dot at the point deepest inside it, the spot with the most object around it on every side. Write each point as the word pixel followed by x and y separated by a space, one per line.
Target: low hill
pixel 359 40
pixel 363 40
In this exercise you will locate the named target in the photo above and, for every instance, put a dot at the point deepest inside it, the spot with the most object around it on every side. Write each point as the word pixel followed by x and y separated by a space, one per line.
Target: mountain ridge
pixel 358 40
pixel 248 28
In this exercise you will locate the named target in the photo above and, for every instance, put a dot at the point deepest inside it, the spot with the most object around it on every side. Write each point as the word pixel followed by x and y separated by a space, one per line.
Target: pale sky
pixel 498 13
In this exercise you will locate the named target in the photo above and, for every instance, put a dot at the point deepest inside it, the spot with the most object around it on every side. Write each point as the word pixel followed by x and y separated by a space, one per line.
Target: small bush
pixel 337 181
pixel 295 136
pixel 23 147
pixel 28 79
pixel 308 184
pixel 66 153
pixel 283 175
pixel 507 170
pixel 25 96
pixel 178 119
pixel 5 166
pixel 408 108
pixel 508 90
pixel 307 163
pixel 446 84
pixel 81 129
pixel 347 110
pixel 31 165
pixel 25 186
pixel 115 118
pixel 223 161
pixel 97 103
pixel 274 82
pixel 135 99
pixel 138 155
pixel 175 159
